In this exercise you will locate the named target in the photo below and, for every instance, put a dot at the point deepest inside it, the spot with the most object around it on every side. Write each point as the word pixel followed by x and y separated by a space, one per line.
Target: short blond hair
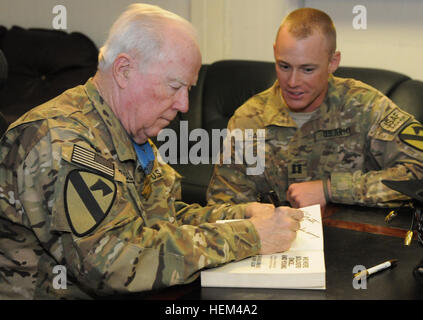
pixel 303 22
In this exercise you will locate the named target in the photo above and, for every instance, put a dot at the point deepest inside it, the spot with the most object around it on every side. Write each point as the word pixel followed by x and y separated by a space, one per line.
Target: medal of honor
pixel 146 159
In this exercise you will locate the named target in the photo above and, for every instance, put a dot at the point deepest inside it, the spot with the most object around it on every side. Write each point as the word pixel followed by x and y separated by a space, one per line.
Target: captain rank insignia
pixel 297 169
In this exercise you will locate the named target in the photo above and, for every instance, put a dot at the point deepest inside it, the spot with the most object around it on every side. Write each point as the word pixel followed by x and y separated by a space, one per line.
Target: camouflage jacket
pixel 357 138
pixel 73 195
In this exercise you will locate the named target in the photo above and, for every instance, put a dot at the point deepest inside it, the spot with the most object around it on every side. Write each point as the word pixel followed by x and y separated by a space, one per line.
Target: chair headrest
pixel 3 68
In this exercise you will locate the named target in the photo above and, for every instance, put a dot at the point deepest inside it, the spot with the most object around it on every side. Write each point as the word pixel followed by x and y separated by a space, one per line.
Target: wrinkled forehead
pixel 179 60
pixel 179 39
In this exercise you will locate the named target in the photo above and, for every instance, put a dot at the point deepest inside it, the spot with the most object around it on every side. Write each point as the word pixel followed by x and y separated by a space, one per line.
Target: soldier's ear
pixel 121 69
pixel 334 61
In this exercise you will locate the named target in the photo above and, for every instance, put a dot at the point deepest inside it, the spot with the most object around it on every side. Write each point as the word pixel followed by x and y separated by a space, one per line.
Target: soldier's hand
pixel 277 227
pixel 256 208
pixel 304 194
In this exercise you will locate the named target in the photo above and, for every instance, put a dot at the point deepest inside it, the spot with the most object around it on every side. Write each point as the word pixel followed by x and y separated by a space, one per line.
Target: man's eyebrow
pixel 309 65
pixel 281 61
pixel 186 84
pixel 179 81
pixel 302 66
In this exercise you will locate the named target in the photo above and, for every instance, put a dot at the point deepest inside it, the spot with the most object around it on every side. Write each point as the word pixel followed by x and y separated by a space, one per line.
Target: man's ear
pixel 334 61
pixel 121 68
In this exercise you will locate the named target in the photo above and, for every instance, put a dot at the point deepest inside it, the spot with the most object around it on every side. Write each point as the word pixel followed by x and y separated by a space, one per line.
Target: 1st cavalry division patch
pixel 413 135
pixel 88 199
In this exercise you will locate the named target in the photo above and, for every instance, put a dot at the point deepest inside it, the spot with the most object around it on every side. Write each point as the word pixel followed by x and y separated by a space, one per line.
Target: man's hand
pixel 304 194
pixel 277 227
pixel 257 208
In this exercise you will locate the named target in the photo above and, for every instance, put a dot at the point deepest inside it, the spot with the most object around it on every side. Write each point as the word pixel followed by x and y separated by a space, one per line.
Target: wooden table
pixel 352 236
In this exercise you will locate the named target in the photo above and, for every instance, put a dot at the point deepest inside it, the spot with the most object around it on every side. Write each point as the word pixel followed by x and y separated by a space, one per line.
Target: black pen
pixel 274 199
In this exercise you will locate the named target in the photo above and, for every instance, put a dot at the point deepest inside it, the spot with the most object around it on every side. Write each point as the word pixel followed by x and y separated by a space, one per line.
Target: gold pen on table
pixel 380 267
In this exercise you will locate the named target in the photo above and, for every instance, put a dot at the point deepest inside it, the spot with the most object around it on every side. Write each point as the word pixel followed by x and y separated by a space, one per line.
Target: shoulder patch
pixel 92 160
pixel 88 199
pixel 394 120
pixel 413 135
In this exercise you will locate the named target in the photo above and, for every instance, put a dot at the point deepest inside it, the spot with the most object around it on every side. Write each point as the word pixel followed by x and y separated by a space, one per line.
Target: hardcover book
pixel 301 267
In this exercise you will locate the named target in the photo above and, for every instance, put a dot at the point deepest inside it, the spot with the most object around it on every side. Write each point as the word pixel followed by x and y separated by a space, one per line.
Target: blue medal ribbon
pixel 145 155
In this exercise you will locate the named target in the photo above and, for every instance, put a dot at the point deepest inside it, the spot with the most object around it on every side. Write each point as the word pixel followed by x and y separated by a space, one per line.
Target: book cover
pixel 301 267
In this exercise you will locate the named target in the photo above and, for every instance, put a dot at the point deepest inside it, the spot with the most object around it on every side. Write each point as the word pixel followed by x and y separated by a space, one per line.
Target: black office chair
pixel 3 124
pixel 3 68
pixel 3 76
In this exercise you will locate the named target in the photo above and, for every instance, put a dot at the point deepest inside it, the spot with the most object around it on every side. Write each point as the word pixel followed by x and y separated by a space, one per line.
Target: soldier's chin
pixel 139 140
pixel 298 105
pixel 140 137
pixel 153 132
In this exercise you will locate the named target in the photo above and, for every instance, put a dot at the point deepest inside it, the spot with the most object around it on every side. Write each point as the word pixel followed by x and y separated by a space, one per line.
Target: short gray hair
pixel 139 28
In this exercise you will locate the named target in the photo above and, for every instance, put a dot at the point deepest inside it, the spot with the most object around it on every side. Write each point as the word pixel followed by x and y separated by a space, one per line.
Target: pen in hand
pixel 274 199
pixel 378 268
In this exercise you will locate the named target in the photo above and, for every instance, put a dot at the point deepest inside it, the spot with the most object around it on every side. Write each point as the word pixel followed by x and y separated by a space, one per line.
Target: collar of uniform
pixel 119 136
pixel 332 96
pixel 275 111
pixel 332 99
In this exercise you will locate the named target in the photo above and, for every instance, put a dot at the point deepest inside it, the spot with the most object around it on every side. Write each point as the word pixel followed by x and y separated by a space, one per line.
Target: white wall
pixel 245 29
pixel 393 39
pixel 238 29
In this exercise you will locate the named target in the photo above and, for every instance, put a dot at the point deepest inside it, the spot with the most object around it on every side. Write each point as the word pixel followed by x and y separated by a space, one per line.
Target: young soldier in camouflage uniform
pixel 327 139
pixel 82 186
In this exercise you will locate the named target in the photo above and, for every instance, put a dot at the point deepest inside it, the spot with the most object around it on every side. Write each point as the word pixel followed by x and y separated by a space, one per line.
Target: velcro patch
pixel 92 160
pixel 332 133
pixel 413 135
pixel 393 121
pixel 88 199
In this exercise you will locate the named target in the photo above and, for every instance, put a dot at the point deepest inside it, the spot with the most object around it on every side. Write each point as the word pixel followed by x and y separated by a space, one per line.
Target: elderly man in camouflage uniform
pixel 327 139
pixel 83 192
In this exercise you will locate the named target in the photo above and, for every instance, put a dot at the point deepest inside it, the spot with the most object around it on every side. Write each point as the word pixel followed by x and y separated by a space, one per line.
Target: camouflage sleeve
pixel 394 152
pixel 123 252
pixel 229 184
pixel 195 214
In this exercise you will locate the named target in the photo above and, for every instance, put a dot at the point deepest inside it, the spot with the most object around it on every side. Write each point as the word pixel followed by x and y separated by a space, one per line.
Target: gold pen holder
pixel 390 216
pixel 408 238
